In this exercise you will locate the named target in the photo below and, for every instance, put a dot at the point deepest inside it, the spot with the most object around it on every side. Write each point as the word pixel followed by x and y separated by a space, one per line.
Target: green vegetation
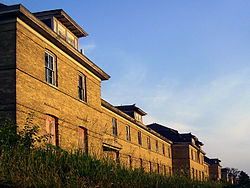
pixel 23 165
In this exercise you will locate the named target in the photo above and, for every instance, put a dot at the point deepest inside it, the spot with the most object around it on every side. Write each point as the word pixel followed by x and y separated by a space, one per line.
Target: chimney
pixel 82 51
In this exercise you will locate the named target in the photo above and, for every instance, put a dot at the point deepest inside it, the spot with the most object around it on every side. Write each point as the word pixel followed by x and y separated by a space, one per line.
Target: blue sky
pixel 186 63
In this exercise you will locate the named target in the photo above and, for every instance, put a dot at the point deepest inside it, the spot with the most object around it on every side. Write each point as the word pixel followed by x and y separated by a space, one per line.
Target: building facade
pixel 43 72
pixel 214 168
pixel 187 153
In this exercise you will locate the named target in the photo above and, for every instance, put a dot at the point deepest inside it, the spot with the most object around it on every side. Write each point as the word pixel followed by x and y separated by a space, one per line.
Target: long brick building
pixel 43 71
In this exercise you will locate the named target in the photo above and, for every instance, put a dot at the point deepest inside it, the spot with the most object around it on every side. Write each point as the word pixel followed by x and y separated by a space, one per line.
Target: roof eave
pixel 58 13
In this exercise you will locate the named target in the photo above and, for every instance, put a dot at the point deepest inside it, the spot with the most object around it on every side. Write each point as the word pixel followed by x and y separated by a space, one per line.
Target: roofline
pixel 180 134
pixel 188 143
pixel 164 127
pixel 132 120
pixel 21 12
pixel 66 16
pixel 138 110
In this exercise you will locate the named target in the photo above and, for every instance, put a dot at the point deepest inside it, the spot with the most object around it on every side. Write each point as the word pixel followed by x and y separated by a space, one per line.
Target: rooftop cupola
pixel 133 111
pixel 63 25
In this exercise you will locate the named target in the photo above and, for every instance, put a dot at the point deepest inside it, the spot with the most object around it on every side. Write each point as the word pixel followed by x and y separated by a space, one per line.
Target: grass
pixel 24 165
pixel 47 167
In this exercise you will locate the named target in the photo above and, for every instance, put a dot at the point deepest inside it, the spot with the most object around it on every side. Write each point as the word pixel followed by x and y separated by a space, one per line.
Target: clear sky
pixel 185 62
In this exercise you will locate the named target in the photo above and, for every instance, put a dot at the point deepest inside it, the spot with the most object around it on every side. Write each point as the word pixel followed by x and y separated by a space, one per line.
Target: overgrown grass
pixel 47 167
pixel 24 165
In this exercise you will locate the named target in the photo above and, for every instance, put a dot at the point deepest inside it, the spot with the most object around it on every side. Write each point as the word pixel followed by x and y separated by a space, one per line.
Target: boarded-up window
pixel 111 154
pixel 52 129
pixel 61 31
pixel 83 139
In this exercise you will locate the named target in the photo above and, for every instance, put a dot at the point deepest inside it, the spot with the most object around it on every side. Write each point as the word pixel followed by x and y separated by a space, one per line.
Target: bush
pixel 11 136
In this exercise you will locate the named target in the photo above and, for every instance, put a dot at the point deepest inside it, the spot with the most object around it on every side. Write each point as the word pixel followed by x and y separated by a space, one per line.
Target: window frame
pixel 129 161
pixel 163 149
pixel 48 68
pixel 141 163
pixel 83 139
pixel 139 138
pixel 128 133
pixel 51 123
pixel 82 87
pixel 156 146
pixel 149 143
pixel 169 152
pixel 114 125
pixel 150 166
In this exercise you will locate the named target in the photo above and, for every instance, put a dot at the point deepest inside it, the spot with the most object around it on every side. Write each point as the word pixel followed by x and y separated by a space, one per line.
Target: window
pixel 139 138
pixel 148 142
pixel 164 170
pixel 129 161
pixel 65 34
pixel 114 122
pixel 82 87
pixel 192 155
pixel 156 146
pixel 150 166
pixel 158 168
pixel 52 129
pixel 170 171
pixel 193 173
pixel 111 154
pixel 141 163
pixel 50 68
pixel 169 152
pixel 163 149
pixel 128 133
pixel 198 157
pixel 83 139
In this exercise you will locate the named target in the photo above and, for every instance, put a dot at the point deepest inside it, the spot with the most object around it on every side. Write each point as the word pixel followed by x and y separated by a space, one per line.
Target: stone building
pixel 225 174
pixel 187 153
pixel 43 72
pixel 214 168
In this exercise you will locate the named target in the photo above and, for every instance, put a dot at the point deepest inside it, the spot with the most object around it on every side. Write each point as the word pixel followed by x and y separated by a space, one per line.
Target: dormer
pixel 63 25
pixel 133 111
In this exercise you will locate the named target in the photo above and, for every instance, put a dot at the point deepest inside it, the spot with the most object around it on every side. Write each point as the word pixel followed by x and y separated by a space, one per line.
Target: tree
pixel 235 172
pixel 243 179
